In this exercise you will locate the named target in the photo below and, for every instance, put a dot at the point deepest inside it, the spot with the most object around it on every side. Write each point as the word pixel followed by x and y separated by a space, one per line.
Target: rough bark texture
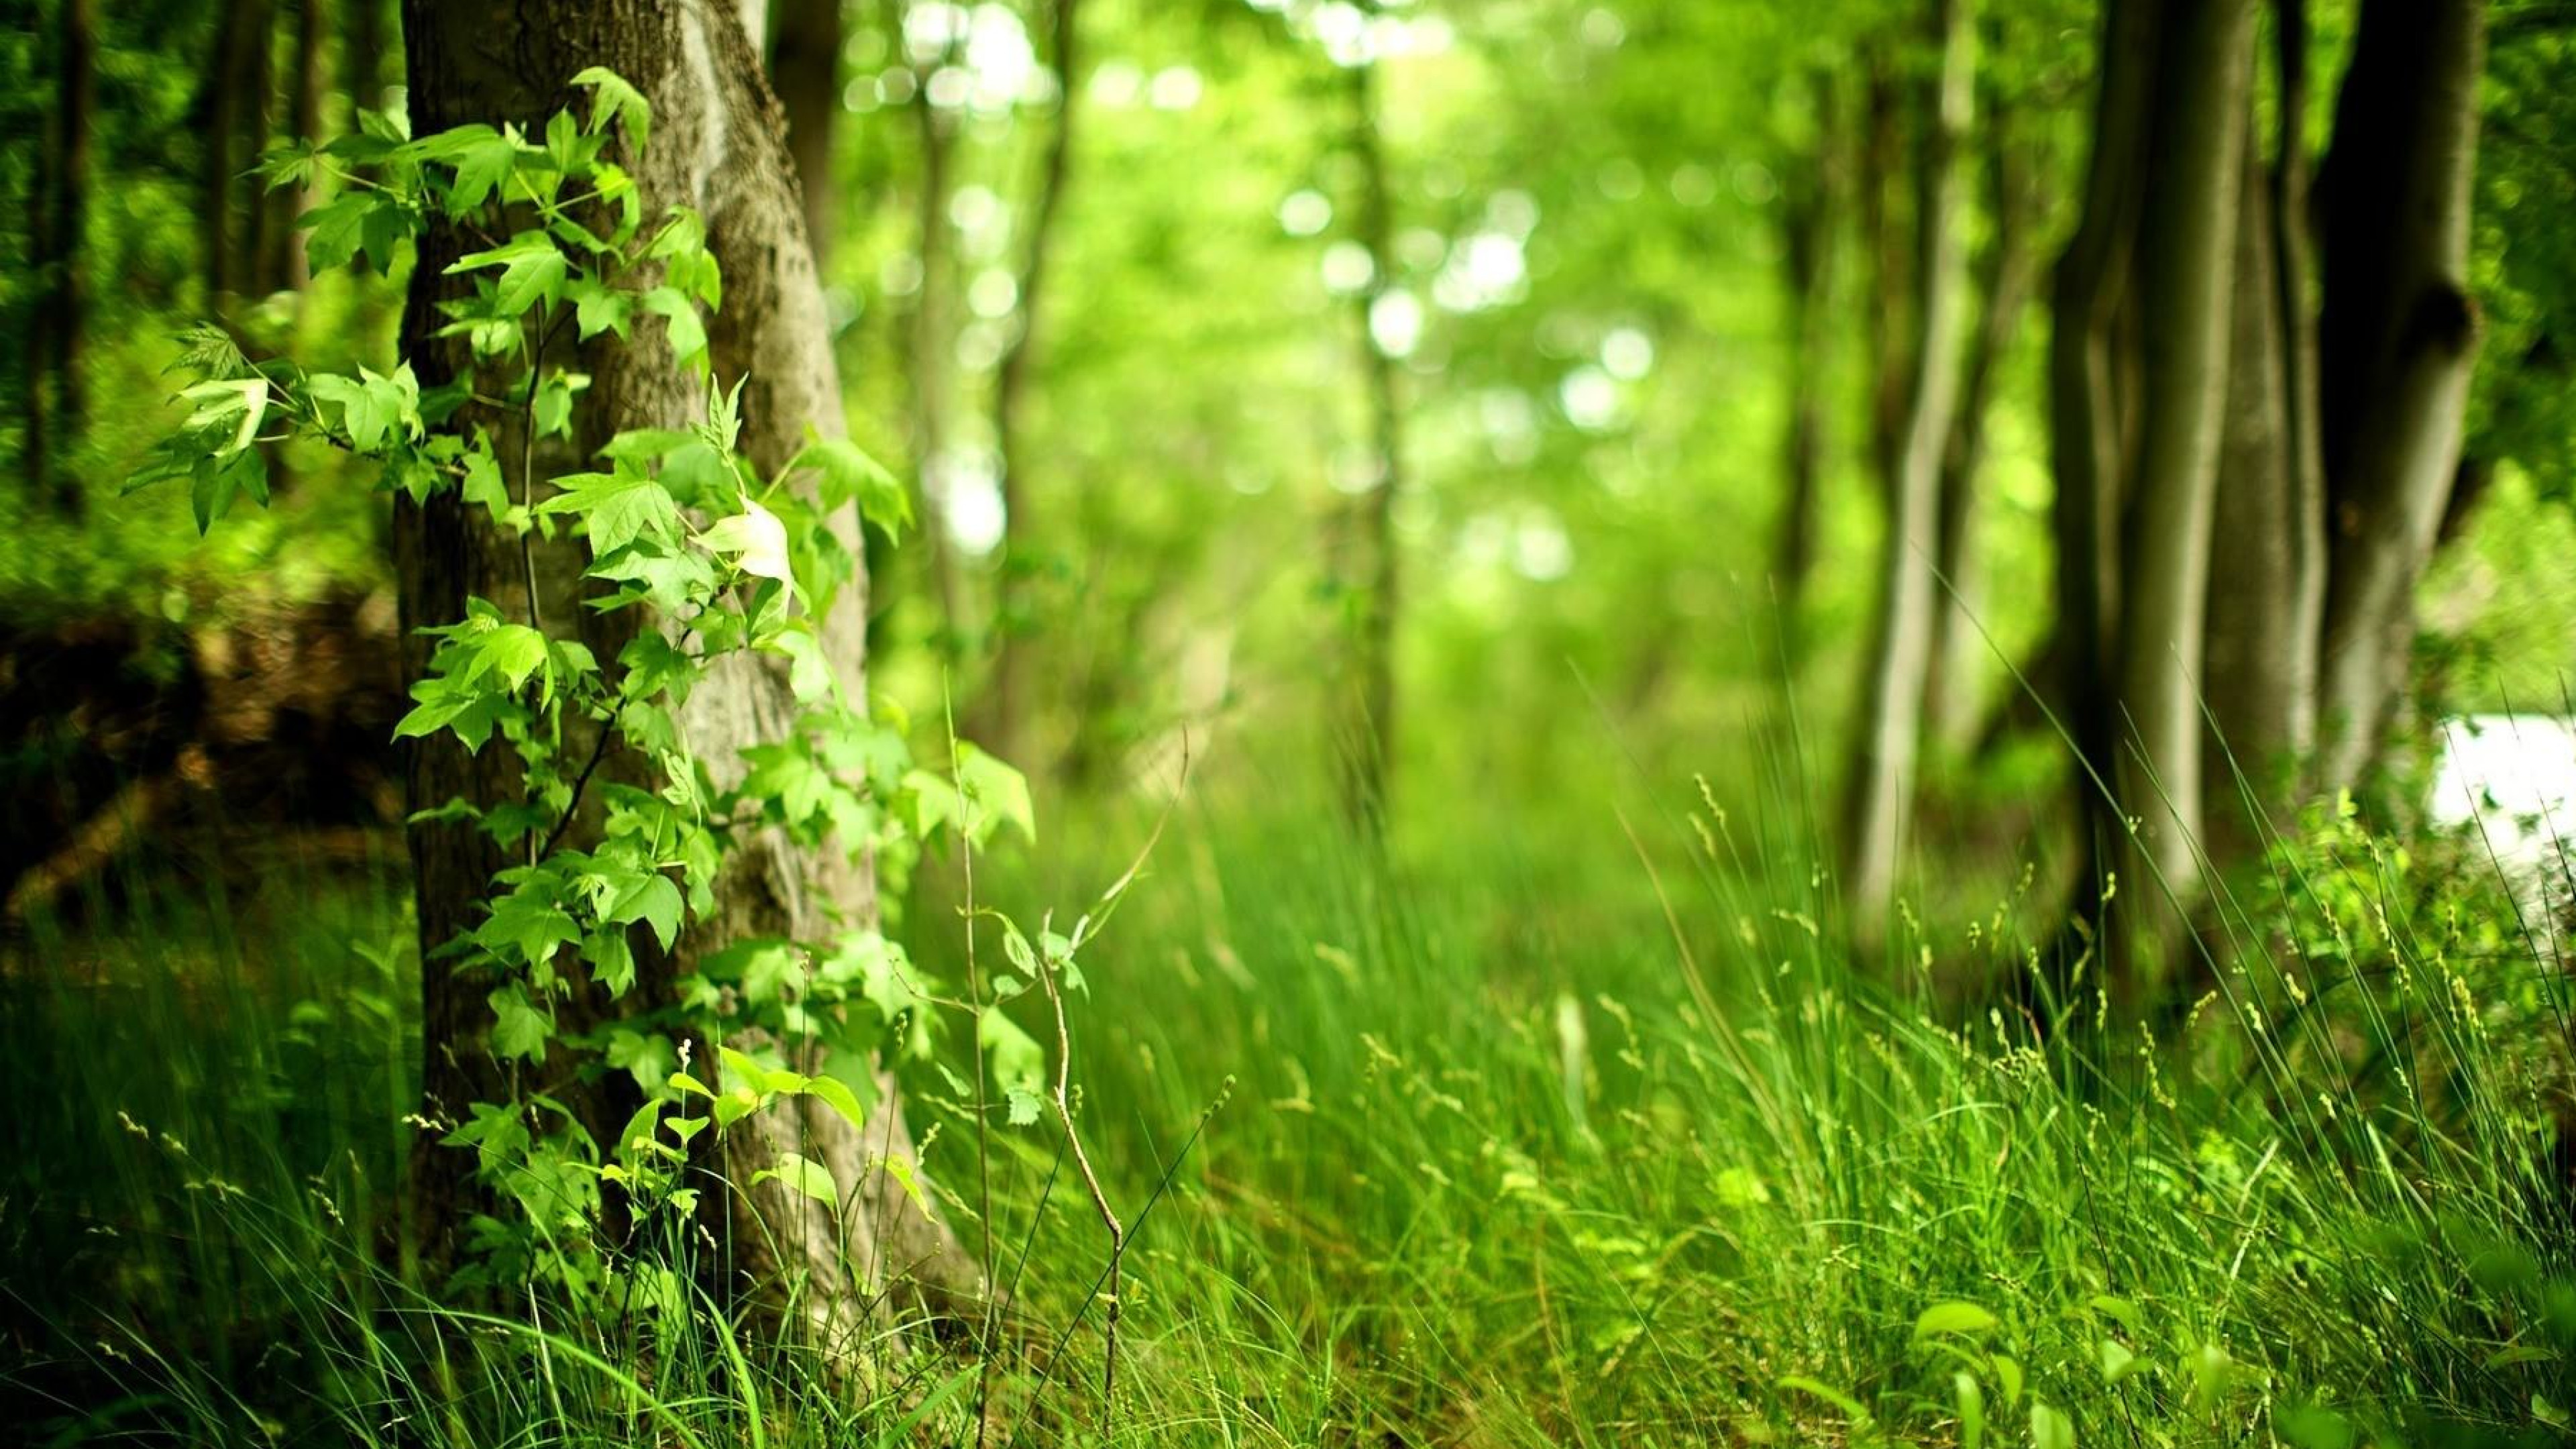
pixel 1006 719
pixel 805 67
pixel 1882 783
pixel 717 146
pixel 2397 337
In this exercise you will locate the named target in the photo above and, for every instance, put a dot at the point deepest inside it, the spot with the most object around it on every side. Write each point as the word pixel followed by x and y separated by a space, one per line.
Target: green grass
pixel 1534 1136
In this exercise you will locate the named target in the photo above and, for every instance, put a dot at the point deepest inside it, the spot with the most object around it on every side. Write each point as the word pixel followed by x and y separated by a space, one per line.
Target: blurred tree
pixel 1364 549
pixel 1005 718
pixel 2183 346
pixel 57 397
pixel 1889 723
pixel 805 70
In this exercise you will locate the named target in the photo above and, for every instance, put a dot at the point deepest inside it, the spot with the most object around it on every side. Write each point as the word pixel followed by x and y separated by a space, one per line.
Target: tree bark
pixel 805 67
pixel 1014 621
pixel 2397 339
pixel 1882 782
pixel 717 146
pixel 2185 250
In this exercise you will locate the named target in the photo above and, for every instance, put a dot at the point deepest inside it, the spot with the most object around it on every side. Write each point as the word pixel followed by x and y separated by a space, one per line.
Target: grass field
pixel 1531 1133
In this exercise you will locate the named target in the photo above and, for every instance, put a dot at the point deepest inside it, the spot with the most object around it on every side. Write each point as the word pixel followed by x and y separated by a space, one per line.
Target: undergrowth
pixel 1588 1134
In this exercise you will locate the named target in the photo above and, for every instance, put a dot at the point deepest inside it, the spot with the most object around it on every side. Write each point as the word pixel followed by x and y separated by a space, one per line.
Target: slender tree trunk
pixel 2004 274
pixel 805 67
pixel 1015 618
pixel 717 146
pixel 1810 226
pixel 1366 736
pixel 2092 379
pixel 57 398
pixel 258 104
pixel 236 120
pixel 1882 781
pixel 2397 339
pixel 363 53
pixel 1894 320
pixel 281 262
pixel 2186 249
pixel 934 359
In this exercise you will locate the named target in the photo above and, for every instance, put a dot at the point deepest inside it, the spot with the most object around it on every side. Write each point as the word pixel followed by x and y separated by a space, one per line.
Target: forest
pixel 1288 722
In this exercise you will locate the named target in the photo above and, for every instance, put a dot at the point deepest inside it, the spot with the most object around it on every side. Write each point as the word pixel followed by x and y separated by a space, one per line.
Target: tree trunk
pixel 1015 616
pixel 717 146
pixel 1892 283
pixel 2003 274
pixel 235 120
pixel 1810 227
pixel 805 67
pixel 934 357
pixel 281 264
pixel 1365 736
pixel 2092 379
pixel 363 53
pixel 2397 337
pixel 57 397
pixel 2186 246
pixel 1882 780
pixel 2267 546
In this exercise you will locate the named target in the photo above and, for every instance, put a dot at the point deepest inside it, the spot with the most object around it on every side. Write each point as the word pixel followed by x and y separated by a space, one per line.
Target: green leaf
pixel 1016 1059
pixel 236 403
pixel 611 93
pixel 688 333
pixel 532 271
pixel 836 1094
pixel 1023 1106
pixel 1972 1410
pixel 803 1174
pixel 2050 1428
pixel 619 507
pixel 1953 1318
pixel 655 901
pixel 809 672
pixel 518 1029
pixel 598 307
pixel 338 230
pixel 1814 1388
pixel 848 474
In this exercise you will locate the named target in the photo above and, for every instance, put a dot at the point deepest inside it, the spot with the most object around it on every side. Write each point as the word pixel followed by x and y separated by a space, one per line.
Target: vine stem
pixel 1099 1200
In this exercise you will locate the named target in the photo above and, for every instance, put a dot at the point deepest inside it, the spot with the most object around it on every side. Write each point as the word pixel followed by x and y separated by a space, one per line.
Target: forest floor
pixel 1506 1137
